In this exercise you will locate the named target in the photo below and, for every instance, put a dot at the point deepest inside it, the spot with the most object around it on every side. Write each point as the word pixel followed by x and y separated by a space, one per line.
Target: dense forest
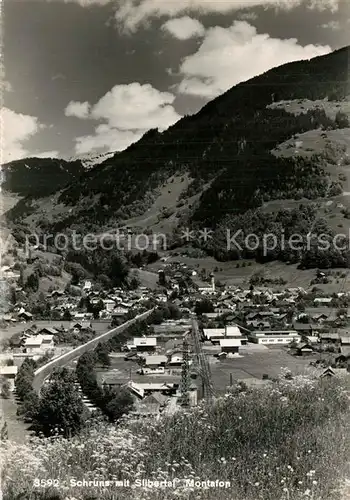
pixel 38 177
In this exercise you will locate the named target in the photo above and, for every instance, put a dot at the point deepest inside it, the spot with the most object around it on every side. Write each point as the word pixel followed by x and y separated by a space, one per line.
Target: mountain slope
pixel 39 177
pixel 227 152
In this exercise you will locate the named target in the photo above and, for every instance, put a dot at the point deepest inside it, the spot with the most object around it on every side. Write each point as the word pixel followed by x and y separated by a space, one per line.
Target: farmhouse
pixel 109 304
pixel 120 311
pixel 329 337
pixel 33 345
pixel 39 344
pixel 47 343
pixel 155 361
pixel 48 331
pixel 153 365
pixel 304 350
pixel 175 360
pixel 25 315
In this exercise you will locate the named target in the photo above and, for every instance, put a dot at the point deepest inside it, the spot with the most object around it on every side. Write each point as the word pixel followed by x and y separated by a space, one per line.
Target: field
pixel 126 370
pixel 146 278
pixel 228 273
pixel 255 362
pixel 300 106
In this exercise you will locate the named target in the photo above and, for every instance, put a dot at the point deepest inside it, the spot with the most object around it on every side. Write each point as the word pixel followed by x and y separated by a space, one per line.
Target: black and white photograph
pixel 175 250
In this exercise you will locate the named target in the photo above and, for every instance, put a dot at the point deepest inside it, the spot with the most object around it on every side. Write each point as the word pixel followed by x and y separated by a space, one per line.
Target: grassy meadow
pixel 287 441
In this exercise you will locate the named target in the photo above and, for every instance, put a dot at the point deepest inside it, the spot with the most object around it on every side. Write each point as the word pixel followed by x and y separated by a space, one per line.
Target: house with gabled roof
pixel 47 330
pixel 25 315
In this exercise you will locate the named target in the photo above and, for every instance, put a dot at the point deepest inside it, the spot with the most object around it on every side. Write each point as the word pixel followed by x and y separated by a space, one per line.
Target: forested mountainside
pixel 39 177
pixel 227 152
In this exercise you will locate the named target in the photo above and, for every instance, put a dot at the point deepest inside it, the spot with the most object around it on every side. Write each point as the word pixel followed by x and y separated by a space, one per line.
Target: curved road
pixel 44 371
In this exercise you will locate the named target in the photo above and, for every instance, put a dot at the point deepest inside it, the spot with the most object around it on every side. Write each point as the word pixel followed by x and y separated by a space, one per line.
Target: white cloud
pixel 135 106
pixel 131 13
pixel 106 139
pixel 228 56
pixel 248 16
pixel 16 130
pixel 332 5
pixel 184 28
pixel 332 25
pixel 77 109
pixel 127 111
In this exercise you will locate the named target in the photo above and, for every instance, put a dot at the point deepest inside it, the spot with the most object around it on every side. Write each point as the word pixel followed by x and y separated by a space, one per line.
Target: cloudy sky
pixel 85 76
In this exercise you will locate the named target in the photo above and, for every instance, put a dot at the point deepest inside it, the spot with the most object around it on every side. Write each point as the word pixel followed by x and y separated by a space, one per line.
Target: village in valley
pixel 185 337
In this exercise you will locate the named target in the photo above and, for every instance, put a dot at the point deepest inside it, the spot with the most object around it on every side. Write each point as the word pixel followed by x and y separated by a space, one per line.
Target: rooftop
pixel 230 343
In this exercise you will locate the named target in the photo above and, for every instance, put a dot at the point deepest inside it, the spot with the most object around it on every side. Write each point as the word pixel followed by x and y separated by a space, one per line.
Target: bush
pixel 5 389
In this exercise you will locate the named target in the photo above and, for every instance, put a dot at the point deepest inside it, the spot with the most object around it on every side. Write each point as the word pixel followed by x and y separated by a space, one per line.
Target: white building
pixel 155 361
pixel 33 344
pixel 160 370
pixel 119 311
pixel 215 334
pixel 47 343
pixel 109 304
pixel 143 389
pixel 230 345
pixel 143 344
pixel 39 344
pixel 87 286
pixel 323 300
pixel 275 337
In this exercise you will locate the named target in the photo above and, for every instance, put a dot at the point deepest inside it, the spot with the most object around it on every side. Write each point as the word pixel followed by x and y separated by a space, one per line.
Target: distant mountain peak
pixel 91 159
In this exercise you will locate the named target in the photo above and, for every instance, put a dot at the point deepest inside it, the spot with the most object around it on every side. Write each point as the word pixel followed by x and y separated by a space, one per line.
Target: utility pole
pixel 185 382
pixel 203 365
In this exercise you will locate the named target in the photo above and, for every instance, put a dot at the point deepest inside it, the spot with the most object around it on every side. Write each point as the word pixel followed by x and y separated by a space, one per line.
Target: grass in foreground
pixel 289 441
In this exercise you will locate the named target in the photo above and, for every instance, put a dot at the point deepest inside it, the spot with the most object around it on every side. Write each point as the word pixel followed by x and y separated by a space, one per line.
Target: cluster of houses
pixel 32 344
pixel 116 303
pixel 239 317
